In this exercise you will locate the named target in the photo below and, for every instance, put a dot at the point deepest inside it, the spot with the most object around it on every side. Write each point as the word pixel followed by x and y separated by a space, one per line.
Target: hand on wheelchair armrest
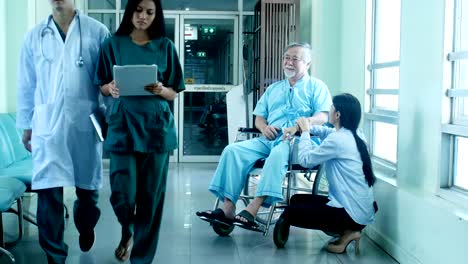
pixel 269 132
pixel 297 132
pixel 254 130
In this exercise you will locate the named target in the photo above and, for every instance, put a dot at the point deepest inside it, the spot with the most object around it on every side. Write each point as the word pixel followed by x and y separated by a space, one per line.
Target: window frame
pixel 373 113
pixel 456 124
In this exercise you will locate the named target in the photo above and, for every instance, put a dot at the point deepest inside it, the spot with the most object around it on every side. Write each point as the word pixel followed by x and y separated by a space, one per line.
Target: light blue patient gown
pixel 281 105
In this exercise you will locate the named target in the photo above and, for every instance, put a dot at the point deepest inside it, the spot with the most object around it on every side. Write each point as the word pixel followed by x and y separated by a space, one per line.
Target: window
pixel 109 12
pixel 382 80
pixel 460 164
pixel 455 129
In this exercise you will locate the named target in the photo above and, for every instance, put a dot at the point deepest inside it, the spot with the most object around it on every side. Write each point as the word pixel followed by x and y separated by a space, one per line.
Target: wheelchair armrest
pixel 255 130
pixel 248 130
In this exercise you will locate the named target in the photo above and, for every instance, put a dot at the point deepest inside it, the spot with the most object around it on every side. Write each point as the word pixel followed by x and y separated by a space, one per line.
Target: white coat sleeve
pixel 26 85
pixel 321 131
pixel 310 154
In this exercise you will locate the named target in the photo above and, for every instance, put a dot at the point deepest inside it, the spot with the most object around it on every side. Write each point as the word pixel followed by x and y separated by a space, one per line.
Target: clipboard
pixel 132 79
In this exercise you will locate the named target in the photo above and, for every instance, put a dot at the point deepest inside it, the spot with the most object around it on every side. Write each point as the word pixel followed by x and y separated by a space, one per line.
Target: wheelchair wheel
pixel 320 186
pixel 222 230
pixel 262 214
pixel 281 233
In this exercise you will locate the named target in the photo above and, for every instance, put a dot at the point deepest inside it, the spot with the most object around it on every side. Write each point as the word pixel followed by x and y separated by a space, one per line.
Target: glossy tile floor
pixel 184 238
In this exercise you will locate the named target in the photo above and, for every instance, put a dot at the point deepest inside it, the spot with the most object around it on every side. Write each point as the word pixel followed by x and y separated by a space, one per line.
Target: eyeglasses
pixel 293 59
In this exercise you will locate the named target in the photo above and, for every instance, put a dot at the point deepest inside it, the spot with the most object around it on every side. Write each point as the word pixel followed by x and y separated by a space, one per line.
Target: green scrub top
pixel 140 123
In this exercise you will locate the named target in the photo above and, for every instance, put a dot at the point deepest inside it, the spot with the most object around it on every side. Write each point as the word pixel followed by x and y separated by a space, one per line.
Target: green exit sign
pixel 201 54
pixel 208 30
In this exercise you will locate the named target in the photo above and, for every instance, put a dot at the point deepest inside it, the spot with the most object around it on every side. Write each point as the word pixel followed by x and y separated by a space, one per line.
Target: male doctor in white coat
pixel 56 95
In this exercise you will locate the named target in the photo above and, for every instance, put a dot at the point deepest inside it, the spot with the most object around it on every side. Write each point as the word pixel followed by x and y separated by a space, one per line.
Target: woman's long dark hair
pixel 157 29
pixel 350 116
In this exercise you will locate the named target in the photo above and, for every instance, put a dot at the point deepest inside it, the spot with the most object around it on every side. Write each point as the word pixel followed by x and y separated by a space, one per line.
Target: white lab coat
pixel 56 98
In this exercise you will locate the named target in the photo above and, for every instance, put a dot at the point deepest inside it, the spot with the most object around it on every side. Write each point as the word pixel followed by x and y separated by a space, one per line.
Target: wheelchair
pixel 297 180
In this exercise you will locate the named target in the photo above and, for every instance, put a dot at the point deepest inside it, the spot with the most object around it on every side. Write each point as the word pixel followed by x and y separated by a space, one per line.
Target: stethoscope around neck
pixel 48 30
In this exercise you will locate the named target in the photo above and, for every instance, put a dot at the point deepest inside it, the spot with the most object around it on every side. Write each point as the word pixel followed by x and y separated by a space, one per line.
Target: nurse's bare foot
pixel 122 252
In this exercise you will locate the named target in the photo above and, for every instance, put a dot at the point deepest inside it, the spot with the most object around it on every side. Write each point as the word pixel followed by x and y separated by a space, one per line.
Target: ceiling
pixel 194 5
pixel 210 5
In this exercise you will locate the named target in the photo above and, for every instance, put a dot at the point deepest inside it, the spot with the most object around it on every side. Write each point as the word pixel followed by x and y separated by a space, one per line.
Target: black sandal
pixel 250 224
pixel 215 216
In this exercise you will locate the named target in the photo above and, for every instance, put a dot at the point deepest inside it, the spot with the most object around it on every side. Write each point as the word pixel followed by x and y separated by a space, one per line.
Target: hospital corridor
pixel 233 131
pixel 184 238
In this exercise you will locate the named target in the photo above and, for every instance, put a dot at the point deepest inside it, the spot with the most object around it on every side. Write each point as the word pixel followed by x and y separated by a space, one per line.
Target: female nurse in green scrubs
pixel 141 130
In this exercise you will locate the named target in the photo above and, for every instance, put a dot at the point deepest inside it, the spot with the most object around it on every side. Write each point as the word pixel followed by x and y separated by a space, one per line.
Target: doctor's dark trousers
pixel 50 219
pixel 138 185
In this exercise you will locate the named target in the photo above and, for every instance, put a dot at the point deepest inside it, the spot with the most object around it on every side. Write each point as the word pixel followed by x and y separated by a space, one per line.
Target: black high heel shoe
pixel 341 244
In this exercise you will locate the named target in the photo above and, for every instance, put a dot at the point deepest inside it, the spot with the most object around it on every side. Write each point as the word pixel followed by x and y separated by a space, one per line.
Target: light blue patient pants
pixel 238 159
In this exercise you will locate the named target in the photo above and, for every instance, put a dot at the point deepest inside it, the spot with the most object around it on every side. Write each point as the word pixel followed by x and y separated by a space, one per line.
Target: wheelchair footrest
pixel 215 217
pixel 214 221
pixel 259 228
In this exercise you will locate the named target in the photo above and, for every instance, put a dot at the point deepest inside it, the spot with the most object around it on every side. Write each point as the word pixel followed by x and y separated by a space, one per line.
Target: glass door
pixel 172 26
pixel 209 46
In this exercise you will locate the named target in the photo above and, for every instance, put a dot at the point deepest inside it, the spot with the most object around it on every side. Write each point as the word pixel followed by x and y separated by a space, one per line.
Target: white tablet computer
pixel 132 79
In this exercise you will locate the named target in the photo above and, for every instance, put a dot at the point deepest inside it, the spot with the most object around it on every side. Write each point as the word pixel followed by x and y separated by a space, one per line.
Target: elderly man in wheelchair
pixel 299 95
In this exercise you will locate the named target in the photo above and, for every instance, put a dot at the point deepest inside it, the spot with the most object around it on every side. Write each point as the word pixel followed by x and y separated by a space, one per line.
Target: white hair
pixel 307 50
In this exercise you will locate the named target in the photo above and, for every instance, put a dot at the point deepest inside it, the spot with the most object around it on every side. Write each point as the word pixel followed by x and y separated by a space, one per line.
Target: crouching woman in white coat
pixel 56 95
pixel 343 154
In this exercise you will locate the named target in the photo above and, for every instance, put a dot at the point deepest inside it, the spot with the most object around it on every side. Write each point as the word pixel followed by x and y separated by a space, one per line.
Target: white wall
pixel 422 58
pixel 430 228
pixel 305 20
pixel 325 40
pixel 16 27
pixel 13 27
pixel 43 9
pixel 413 224
pixel 352 48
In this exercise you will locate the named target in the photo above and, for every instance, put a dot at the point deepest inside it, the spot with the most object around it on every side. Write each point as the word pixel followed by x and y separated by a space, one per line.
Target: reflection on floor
pixel 204 140
pixel 185 239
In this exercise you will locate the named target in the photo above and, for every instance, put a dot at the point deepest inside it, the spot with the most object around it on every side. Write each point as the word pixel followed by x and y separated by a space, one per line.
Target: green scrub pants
pixel 138 184
pixel 51 223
